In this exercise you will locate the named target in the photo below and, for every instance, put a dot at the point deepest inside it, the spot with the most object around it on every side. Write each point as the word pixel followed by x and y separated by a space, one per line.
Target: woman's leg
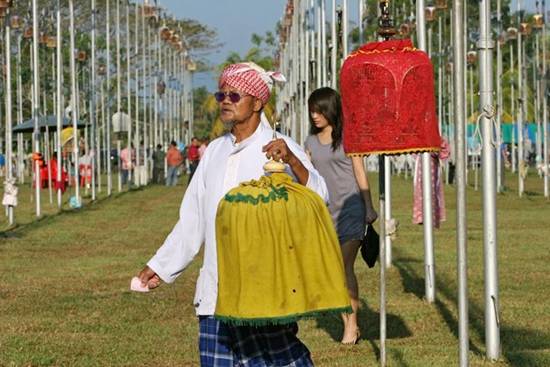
pixel 351 329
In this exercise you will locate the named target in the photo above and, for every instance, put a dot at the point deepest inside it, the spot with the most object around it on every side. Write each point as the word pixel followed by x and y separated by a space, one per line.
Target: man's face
pixel 236 112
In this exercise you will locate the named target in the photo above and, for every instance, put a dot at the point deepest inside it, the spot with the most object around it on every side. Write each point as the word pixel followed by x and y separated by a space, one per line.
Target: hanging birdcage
pixel 388 100
pixel 538 21
pixel 405 29
pixel 165 33
pixel 81 56
pixel 512 33
pixel 149 11
pixel 430 13
pixel 525 29
pixel 471 57
pixel 15 22
pixel 4 4
pixel 51 42
pixel 191 65
pixel 502 38
pixel 175 38
pixel 441 4
pixel 161 87
pixel 28 32
pixel 43 38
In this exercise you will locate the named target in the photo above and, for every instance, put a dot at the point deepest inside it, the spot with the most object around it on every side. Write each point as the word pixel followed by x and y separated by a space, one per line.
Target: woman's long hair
pixel 326 101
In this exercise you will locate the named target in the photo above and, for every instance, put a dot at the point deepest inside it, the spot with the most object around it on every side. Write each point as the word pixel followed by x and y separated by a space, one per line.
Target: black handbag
pixel 370 246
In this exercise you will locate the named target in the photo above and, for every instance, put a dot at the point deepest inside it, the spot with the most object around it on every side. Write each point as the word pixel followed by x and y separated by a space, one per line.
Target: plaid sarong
pixel 224 345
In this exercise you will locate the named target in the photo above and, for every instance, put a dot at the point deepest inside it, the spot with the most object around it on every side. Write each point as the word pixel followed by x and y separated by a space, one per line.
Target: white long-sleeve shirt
pixel 224 165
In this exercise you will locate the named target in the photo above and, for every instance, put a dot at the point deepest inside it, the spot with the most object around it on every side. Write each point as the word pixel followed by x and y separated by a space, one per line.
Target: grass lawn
pixel 64 298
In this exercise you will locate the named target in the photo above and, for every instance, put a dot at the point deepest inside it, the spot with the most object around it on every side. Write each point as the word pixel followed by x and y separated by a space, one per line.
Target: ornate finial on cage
pixel 273 166
pixel 385 23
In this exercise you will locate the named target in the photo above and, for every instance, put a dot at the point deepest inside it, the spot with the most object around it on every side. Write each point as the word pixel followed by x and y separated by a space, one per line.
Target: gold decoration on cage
pixel 538 21
pixel 274 166
pixel 525 29
pixel 430 13
pixel 512 33
pixel 471 57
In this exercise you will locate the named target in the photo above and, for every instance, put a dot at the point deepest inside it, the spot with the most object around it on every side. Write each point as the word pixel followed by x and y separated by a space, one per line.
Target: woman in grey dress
pixel 350 201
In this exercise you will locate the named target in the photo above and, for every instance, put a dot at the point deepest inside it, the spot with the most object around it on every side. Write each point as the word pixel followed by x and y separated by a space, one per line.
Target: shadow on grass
pixel 369 325
pixel 18 231
pixel 519 345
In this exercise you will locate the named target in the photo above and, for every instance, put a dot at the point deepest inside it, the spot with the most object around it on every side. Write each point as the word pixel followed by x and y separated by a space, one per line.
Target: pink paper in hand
pixel 135 285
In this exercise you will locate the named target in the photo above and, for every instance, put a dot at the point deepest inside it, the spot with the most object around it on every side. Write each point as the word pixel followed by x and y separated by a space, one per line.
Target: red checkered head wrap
pixel 250 78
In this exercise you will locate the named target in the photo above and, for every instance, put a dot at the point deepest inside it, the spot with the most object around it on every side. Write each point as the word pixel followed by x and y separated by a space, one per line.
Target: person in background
pixel 2 164
pixel 158 165
pixel 350 201
pixel 173 159
pixel 193 157
pixel 128 160
pixel 140 173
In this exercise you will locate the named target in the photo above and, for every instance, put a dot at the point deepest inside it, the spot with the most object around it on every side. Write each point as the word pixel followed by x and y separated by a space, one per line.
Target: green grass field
pixel 64 298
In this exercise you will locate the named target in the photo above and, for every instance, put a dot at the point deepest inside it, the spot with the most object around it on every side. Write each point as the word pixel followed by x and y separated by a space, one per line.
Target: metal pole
pixel 59 110
pixel 521 104
pixel 118 92
pixel 360 21
pixel 382 244
pixel 323 43
pixel 137 173
pixel 334 50
pixel 439 72
pixel 128 92
pixel 387 210
pixel 156 94
pixel 460 176
pixel 513 108
pixel 74 106
pixel 109 119
pixel 545 103
pixel 426 179
pixel 319 44
pixel 344 28
pixel 500 106
pixel 9 134
pixel 20 170
pixel 536 71
pixel 36 105
pixel 145 97
pixel 485 46
pixel 92 106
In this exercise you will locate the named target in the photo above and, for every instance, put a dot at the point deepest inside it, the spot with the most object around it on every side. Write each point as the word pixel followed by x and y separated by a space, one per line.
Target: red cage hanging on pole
pixel 388 100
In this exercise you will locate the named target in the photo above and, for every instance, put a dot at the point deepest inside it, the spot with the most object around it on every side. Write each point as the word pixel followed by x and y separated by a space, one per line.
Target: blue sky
pixel 235 21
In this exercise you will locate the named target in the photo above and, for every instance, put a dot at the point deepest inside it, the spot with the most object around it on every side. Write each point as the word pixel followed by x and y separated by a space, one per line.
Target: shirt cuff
pixel 158 269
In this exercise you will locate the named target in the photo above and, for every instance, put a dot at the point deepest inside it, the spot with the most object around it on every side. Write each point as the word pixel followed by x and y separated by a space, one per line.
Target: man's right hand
pixel 149 278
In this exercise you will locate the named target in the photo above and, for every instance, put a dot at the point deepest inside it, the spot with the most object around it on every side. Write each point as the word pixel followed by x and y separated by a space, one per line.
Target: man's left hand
pixel 278 150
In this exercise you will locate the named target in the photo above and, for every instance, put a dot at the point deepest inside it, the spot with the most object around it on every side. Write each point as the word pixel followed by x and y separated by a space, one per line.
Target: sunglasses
pixel 234 97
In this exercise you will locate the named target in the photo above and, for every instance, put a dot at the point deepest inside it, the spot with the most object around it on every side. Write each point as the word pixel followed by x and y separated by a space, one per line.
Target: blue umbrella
pixel 43 122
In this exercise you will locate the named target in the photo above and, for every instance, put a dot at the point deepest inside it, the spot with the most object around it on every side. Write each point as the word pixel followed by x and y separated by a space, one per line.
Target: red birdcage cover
pixel 388 100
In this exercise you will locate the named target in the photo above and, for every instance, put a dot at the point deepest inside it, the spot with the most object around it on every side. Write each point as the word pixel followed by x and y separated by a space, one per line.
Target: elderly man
pixel 229 160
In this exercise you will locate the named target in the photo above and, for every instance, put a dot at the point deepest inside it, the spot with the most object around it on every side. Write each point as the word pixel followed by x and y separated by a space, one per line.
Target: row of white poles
pixel 174 108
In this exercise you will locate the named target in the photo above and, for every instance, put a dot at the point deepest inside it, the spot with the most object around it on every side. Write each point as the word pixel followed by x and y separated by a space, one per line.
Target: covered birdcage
pixel 278 254
pixel 388 100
